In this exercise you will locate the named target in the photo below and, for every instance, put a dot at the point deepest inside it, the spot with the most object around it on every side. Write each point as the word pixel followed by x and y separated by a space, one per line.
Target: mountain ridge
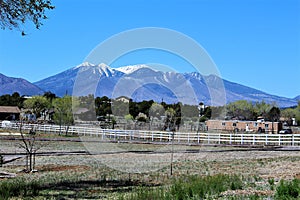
pixel 10 85
pixel 297 98
pixel 140 82
pixel 108 77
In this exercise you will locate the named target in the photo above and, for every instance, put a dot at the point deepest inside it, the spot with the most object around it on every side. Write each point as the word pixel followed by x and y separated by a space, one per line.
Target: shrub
pixel 288 190
pixel 271 183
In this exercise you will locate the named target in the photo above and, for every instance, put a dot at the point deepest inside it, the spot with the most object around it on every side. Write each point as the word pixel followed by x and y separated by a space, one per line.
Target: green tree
pixel 206 114
pixel 190 111
pixel 170 120
pixel 119 108
pixel 103 106
pixel 241 109
pixel 144 107
pixel 274 114
pixel 13 13
pixel 141 117
pixel 63 111
pixel 297 113
pixel 37 104
pixel 156 110
pixel 288 114
pixel 11 100
pixel 128 117
pixel 262 109
pixel 133 109
pixel 50 96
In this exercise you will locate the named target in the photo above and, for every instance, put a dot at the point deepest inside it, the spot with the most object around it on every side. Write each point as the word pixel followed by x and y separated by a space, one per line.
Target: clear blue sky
pixel 253 42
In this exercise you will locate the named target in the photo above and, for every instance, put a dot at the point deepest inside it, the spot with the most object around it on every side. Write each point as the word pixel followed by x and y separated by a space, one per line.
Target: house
pixel 248 126
pixel 123 99
pixel 9 113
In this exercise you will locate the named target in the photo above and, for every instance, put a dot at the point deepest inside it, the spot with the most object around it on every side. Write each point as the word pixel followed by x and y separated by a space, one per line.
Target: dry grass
pixel 257 166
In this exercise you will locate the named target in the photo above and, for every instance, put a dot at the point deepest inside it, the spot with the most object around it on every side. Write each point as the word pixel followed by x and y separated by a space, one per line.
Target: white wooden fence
pixel 165 137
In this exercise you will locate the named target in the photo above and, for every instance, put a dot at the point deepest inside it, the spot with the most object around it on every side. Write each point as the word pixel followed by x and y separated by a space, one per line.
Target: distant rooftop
pixel 9 109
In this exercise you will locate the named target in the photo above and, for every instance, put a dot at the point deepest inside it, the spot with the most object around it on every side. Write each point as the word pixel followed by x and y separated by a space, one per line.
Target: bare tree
pixel 30 146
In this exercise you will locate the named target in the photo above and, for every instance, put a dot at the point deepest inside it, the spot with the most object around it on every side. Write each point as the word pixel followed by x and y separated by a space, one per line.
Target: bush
pixel 288 190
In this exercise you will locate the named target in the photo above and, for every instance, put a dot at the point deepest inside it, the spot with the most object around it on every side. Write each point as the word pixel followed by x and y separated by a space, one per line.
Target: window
pixel 255 124
pixel 223 124
pixel 234 124
pixel 266 125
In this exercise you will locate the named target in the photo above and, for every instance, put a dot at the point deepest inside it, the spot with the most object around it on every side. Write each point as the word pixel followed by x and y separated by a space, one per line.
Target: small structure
pixel 248 126
pixel 9 113
pixel 123 99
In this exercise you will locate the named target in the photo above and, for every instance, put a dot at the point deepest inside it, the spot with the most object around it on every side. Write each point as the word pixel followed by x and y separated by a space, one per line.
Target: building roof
pixel 122 97
pixel 80 111
pixel 9 109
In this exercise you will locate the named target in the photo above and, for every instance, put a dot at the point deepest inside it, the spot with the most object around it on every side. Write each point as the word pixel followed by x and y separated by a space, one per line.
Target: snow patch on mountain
pixel 85 64
pixel 131 68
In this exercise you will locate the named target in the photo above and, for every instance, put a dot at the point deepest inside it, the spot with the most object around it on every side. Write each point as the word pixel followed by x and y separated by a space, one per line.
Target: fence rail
pixel 163 136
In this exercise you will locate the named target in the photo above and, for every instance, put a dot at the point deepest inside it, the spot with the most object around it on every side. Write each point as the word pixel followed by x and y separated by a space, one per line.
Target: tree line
pixel 104 108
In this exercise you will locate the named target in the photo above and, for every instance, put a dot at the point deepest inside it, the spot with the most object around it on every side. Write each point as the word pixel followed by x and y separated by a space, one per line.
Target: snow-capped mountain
pixel 131 68
pixel 9 85
pixel 141 82
pixel 63 83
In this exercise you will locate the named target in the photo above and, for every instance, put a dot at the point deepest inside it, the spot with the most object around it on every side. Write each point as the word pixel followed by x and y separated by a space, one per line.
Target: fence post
pixel 253 139
pixel 198 138
pixel 219 138
pixel 230 138
pixel 242 139
pixel 152 137
pixel 279 140
pixel 188 137
pixel 208 138
pixel 266 139
pixel 293 140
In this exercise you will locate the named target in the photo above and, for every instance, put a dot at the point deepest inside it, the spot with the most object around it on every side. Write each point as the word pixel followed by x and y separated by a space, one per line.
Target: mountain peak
pixel 103 66
pixel 85 64
pixel 131 68
pixel 9 85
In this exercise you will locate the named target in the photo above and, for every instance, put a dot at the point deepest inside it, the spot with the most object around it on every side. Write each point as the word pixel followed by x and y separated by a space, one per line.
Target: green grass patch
pixel 191 187
pixel 288 190
pixel 18 187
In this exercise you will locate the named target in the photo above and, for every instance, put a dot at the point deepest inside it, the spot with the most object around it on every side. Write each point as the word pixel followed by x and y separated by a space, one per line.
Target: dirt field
pixel 84 166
